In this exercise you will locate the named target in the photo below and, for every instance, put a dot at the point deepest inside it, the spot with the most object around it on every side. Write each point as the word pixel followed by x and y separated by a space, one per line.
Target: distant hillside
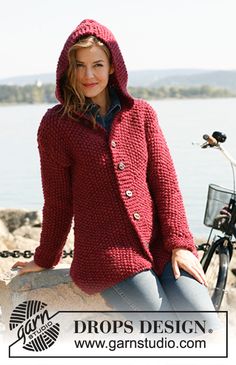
pixel 145 78
pixel 219 79
pixel 150 79
pixel 48 78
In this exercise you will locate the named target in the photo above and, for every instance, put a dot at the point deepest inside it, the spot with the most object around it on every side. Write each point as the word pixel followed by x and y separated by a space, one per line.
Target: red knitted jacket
pixel 121 188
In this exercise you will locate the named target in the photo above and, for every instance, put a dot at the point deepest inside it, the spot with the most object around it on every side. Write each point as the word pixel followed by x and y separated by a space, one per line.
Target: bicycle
pixel 220 214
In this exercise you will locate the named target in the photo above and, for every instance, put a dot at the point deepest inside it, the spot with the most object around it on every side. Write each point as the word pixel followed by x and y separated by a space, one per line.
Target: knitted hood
pixel 118 79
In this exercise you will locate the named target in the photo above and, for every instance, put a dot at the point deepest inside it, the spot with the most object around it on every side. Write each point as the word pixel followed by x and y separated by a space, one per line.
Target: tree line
pixel 204 91
pixel 34 94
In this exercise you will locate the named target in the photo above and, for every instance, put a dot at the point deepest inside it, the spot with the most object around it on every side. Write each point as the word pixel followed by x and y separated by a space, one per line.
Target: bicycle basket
pixel 218 199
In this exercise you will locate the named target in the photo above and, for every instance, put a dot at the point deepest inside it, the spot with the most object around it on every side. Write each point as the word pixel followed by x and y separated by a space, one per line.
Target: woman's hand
pixel 27 266
pixel 186 260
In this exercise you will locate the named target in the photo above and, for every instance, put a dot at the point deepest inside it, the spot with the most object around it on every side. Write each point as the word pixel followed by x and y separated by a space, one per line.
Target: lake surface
pixel 182 121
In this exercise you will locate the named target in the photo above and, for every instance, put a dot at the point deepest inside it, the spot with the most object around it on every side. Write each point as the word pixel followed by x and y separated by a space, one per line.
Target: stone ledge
pixel 53 287
pixel 38 280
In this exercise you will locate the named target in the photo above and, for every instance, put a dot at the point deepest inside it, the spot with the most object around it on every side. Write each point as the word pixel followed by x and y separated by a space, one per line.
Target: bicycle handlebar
pixel 215 141
pixel 210 141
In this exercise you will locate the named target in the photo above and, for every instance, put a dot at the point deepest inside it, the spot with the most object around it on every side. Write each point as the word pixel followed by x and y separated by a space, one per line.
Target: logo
pixel 34 326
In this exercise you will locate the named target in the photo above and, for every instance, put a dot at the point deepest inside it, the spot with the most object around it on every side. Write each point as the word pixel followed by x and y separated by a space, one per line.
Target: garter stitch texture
pixel 121 188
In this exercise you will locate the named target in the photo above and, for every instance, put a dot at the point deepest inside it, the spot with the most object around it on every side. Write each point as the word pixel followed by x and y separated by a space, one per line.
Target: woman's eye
pixel 99 65
pixel 79 65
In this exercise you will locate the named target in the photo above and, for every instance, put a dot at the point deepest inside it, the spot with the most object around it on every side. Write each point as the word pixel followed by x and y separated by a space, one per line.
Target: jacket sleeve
pixel 164 188
pixel 56 184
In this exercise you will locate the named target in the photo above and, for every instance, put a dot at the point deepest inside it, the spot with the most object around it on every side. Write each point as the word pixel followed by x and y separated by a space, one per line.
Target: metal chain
pixel 28 254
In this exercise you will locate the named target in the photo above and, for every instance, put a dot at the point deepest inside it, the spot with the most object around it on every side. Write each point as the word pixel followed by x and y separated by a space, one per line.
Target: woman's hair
pixel 74 99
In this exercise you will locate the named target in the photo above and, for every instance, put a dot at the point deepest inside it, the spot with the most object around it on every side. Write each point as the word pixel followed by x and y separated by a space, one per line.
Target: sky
pixel 152 34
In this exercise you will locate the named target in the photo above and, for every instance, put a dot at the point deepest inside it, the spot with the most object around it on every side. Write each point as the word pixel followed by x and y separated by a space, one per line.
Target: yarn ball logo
pixel 34 325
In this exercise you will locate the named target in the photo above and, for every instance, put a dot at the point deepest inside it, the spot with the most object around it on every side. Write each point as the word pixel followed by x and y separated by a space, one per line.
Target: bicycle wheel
pixel 216 273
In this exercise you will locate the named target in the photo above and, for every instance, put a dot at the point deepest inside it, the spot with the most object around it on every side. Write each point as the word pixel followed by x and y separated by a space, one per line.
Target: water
pixel 183 121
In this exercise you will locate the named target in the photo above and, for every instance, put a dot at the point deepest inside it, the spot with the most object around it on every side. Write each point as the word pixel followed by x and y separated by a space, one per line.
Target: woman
pixel 105 162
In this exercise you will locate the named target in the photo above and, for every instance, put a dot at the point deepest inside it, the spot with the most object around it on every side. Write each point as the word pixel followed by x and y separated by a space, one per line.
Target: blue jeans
pixel 146 291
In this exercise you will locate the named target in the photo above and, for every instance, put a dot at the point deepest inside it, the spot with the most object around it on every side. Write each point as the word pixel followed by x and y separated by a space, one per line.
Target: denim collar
pixel 115 105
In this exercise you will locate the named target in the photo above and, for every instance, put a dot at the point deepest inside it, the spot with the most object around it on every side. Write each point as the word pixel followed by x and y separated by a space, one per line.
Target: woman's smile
pixel 90 84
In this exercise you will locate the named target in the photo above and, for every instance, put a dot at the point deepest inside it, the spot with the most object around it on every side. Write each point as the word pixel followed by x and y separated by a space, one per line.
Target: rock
pixel 22 244
pixel 53 287
pixel 15 218
pixel 20 230
pixel 3 229
pixel 45 278
pixel 28 232
pixel 4 232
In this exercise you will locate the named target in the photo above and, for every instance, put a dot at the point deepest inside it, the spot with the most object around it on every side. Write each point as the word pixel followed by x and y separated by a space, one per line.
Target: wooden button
pixel 121 166
pixel 136 216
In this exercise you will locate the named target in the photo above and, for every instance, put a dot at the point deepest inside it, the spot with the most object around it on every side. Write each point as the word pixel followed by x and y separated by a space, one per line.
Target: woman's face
pixel 93 70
